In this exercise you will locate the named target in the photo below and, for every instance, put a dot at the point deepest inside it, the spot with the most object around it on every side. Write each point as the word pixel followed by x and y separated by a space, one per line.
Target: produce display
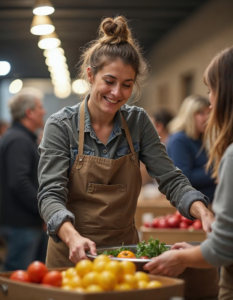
pixel 143 250
pixel 103 274
pixel 174 221
pixel 37 272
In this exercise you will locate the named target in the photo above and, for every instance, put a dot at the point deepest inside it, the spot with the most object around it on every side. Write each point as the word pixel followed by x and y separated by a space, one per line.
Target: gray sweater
pixel 218 248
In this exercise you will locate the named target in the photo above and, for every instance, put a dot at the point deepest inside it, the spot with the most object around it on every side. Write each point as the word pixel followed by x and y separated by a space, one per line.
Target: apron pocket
pixel 104 205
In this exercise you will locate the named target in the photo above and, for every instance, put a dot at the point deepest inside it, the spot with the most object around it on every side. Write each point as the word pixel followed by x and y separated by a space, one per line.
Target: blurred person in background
pixel 185 145
pixel 215 251
pixel 20 223
pixel 160 118
pixel 3 127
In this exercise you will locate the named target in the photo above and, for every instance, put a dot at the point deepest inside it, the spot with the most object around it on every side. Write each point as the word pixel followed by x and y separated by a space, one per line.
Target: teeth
pixel 111 101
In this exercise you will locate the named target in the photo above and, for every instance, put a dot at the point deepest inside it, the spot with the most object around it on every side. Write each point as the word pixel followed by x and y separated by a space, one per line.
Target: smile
pixel 110 100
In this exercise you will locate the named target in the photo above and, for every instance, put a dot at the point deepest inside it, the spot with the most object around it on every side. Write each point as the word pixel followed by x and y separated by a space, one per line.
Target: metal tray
pixel 138 262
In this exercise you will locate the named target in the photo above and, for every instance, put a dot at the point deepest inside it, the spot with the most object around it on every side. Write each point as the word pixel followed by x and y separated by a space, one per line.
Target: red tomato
pixel 53 278
pixel 147 224
pixel 197 224
pixel 162 223
pixel 167 216
pixel 20 275
pixel 155 223
pixel 177 214
pixel 183 225
pixel 183 219
pixel 144 257
pixel 36 271
pixel 173 222
pixel 110 255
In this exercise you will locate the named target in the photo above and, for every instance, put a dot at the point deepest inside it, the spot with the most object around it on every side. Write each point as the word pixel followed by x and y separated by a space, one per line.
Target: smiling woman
pixel 89 167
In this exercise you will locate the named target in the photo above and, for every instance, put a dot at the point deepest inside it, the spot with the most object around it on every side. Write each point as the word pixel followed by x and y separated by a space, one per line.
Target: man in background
pixel 3 127
pixel 20 223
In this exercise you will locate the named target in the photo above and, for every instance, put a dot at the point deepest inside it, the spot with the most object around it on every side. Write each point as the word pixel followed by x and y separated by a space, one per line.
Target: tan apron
pixel 103 197
pixel 226 283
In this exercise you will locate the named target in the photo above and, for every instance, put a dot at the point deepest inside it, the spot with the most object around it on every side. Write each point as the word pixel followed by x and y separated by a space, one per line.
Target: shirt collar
pixel 118 125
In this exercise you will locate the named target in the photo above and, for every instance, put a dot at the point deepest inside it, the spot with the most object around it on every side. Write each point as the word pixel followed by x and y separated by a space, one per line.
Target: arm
pixel 171 181
pixel 174 262
pixel 179 152
pixel 19 174
pixel 217 249
pixel 53 179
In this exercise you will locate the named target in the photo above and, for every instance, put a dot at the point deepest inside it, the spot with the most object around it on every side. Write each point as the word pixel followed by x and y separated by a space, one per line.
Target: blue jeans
pixel 22 246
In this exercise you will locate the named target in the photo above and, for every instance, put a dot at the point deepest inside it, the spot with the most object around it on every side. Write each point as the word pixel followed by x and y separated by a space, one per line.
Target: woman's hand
pixel 199 211
pixel 76 243
pixel 178 246
pixel 168 264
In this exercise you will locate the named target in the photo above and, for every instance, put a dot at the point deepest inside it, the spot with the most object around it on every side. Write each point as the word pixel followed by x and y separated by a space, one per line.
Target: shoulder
pixel 66 113
pixel 226 163
pixel 133 112
pixel 227 159
pixel 178 137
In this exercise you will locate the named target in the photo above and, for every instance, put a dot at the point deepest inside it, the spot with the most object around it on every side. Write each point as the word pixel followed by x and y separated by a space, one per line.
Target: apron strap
pixel 81 128
pixel 128 137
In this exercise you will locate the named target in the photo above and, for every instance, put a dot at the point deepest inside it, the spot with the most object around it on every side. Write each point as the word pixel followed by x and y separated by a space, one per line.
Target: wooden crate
pixel 13 290
pixel 158 207
pixel 172 236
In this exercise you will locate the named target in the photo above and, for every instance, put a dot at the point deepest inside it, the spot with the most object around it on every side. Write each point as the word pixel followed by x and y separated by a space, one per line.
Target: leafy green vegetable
pixel 116 251
pixel 152 249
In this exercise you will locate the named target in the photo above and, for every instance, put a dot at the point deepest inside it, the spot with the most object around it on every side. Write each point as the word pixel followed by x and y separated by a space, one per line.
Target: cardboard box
pixel 172 236
pixel 13 290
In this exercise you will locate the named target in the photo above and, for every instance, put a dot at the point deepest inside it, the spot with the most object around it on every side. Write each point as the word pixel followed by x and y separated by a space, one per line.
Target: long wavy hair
pixel 219 132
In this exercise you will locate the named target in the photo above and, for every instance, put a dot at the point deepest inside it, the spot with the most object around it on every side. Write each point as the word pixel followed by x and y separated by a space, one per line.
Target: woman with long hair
pixel 185 145
pixel 216 251
pixel 89 166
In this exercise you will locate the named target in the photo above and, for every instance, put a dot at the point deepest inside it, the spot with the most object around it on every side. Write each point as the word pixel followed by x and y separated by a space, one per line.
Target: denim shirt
pixel 59 148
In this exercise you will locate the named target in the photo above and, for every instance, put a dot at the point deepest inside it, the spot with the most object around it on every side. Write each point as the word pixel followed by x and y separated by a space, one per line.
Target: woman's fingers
pixel 92 247
pixel 182 245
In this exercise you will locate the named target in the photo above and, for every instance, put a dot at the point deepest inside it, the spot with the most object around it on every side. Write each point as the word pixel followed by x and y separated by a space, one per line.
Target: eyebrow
pixel 116 78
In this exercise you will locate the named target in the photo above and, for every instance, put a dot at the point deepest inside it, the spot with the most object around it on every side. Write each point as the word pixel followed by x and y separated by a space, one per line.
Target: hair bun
pixel 114 31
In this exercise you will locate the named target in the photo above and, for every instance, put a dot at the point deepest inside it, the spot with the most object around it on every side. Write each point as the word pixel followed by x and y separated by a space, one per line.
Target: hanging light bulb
pixel 49 41
pixel 52 52
pixel 41 25
pixel 43 8
pixel 15 86
pixel 80 86
pixel 4 68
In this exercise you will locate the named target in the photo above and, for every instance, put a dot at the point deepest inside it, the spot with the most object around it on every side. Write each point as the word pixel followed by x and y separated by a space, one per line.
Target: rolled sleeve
pixel 56 221
pixel 52 175
pixel 172 182
pixel 188 199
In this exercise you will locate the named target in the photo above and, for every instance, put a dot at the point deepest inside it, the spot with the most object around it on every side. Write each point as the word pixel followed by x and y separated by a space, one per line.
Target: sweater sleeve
pixel 217 249
pixel 180 153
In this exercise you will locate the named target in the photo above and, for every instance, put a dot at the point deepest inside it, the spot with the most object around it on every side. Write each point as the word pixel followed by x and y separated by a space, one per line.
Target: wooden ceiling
pixel 76 23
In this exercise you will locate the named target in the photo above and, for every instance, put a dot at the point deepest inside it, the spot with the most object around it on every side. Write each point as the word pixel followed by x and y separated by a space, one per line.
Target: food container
pixel 171 236
pixel 13 290
pixel 138 262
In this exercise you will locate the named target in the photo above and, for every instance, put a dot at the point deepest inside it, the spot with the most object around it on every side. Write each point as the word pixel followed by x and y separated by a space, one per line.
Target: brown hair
pixel 115 42
pixel 219 132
